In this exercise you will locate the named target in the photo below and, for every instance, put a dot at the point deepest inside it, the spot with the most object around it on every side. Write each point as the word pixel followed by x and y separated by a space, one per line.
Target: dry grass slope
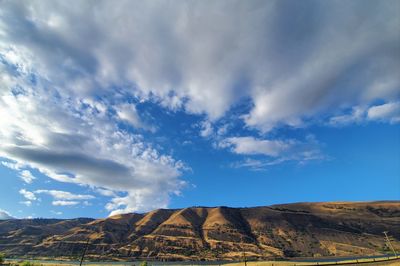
pixel 221 233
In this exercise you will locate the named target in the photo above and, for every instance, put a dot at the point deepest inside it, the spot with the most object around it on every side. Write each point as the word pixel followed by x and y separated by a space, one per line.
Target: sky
pixel 109 107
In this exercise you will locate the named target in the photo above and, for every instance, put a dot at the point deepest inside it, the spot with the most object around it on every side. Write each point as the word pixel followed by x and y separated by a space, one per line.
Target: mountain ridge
pixel 213 233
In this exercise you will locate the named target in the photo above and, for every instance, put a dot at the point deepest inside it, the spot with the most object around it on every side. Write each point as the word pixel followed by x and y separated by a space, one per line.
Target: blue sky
pixel 196 103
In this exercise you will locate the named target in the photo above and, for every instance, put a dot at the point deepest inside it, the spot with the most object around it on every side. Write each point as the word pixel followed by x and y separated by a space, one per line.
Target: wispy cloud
pixel 13 166
pixel 60 198
pixel 27 176
pixel 387 112
pixel 27 203
pixel 127 112
pixel 273 152
pixel 64 203
pixel 27 194
pixel 65 195
pixel 356 115
pixel 251 145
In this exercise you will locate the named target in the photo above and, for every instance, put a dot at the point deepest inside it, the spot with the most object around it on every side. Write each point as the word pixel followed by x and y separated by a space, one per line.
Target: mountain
pixel 220 233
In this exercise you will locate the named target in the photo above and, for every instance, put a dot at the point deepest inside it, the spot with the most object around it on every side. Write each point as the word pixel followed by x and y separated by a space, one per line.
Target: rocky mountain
pixel 220 233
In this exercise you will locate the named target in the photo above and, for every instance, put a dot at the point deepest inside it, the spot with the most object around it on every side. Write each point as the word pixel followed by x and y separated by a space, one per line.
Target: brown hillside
pixel 286 230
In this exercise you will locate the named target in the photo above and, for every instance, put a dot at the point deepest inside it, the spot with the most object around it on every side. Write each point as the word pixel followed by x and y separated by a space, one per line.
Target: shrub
pixel 2 258
pixel 144 263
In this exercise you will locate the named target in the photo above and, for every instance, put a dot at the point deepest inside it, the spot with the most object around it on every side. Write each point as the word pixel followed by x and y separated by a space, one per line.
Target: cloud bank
pixel 292 59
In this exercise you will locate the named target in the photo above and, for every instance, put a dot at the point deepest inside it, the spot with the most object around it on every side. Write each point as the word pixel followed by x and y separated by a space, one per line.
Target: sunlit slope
pixel 287 230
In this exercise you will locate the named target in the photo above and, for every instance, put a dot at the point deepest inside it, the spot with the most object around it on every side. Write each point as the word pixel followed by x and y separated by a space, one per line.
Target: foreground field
pixel 388 261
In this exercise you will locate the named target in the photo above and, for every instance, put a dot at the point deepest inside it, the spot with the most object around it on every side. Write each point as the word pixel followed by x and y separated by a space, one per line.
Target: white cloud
pixel 27 194
pixel 140 198
pixel 61 198
pixel 65 195
pixel 56 213
pixel 4 215
pixel 27 176
pixel 64 203
pixel 251 145
pixel 388 111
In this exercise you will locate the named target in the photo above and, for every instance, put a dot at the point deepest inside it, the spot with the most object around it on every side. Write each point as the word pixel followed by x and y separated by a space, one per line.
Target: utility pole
pixel 389 243
pixel 84 252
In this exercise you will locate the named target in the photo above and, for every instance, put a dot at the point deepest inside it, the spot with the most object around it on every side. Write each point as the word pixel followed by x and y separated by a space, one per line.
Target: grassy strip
pixel 365 261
